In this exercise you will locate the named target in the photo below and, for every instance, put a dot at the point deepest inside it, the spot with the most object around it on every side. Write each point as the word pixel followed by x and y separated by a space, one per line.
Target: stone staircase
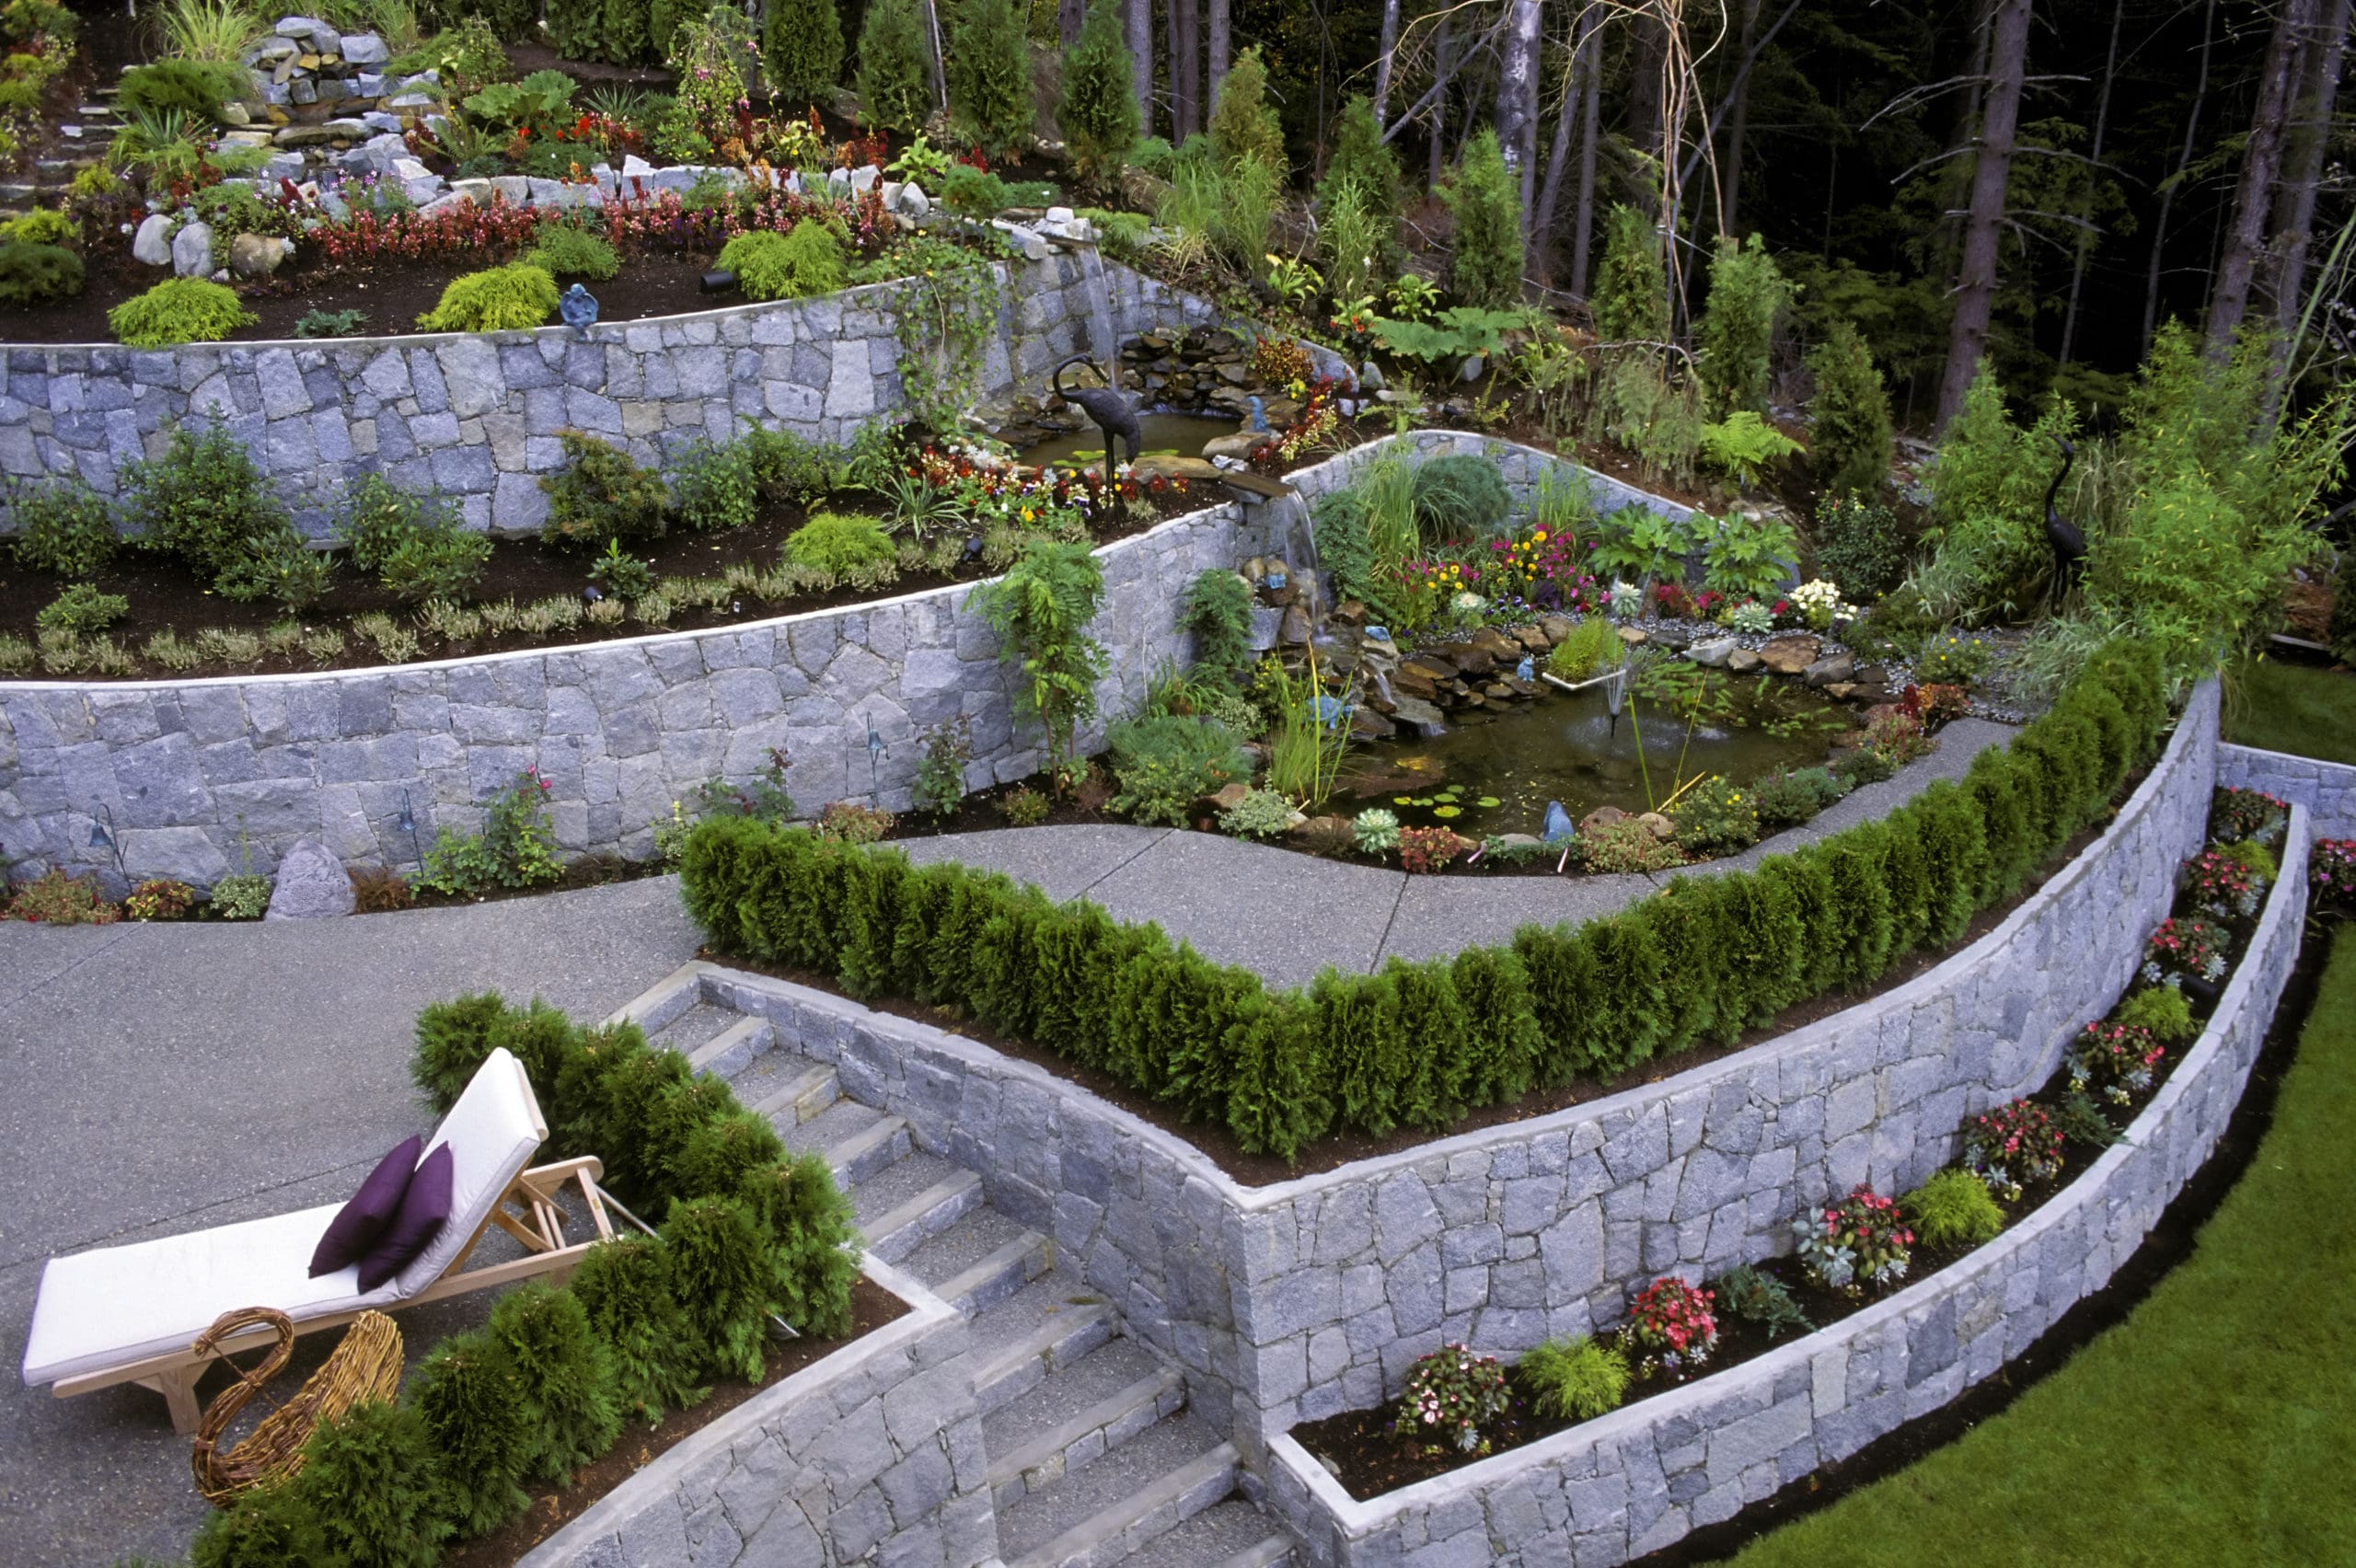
pixel 1094 1456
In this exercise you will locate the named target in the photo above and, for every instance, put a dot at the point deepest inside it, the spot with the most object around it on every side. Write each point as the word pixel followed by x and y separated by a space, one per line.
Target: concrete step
pixel 786 1089
pixel 734 1048
pixel 1138 1492
pixel 858 1140
pixel 691 1029
pixel 1076 1417
pixel 1049 1324
pixel 981 1259
pixel 907 1204
pixel 1233 1534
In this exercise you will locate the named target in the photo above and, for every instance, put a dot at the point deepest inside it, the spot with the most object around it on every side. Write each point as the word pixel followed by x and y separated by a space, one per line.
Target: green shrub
pixel 1630 300
pixel 1461 497
pixel 1162 765
pixel 814 1241
pixel 1858 546
pixel 205 501
pixel 802 48
pixel 270 1527
pixel 1261 813
pixel 715 484
pixel 82 610
pixel 1953 1209
pixel 1849 439
pixel 33 273
pixel 565 250
pixel 453 1039
pixel 1485 200
pixel 1715 817
pixel 840 544
pixel 1218 612
pixel 415 543
pixel 498 299
pixel 194 87
pixel 1576 1379
pixel 2162 1010
pixel 179 310
pixel 371 1478
pixel 894 66
pixel 989 76
pixel 470 1399
pixel 1098 113
pixel 1360 158
pixel 65 526
pixel 564 1377
pixel 1041 610
pixel 601 493
pixel 720 1277
pixel 1761 1299
pixel 625 1286
pixel 1746 293
pixel 1787 798
pixel 806 260
pixel 975 193
pixel 42 225
pixel 1243 127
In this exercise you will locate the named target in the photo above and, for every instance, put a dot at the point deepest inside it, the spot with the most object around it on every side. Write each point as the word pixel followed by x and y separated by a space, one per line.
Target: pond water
pixel 1495 775
pixel 1180 434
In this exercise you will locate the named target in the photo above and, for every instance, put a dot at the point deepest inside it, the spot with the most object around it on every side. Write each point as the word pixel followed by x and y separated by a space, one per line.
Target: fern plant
pixel 1743 443
pixel 1041 610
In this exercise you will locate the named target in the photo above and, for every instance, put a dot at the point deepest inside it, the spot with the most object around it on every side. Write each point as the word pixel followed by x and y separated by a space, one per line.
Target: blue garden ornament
pixel 1526 670
pixel 1558 824
pixel 1259 415
pixel 579 309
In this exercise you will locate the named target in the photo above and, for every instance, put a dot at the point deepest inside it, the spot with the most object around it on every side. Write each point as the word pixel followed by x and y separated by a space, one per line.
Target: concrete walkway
pixel 1289 916
pixel 163 1079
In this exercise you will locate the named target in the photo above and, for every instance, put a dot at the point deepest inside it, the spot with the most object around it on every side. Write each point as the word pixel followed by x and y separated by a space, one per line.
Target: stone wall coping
pixel 926 1311
pixel 1940 978
pixel 602 332
pixel 2285 912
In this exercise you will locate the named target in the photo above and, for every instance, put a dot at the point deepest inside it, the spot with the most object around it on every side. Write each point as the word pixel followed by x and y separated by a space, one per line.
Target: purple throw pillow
pixel 357 1225
pixel 425 1207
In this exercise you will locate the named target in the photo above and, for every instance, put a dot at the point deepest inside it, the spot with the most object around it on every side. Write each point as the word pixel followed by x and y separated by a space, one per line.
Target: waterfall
pixel 1104 341
pixel 1292 533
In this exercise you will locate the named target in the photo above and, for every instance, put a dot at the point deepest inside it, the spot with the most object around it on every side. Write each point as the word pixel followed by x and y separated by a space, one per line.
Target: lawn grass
pixel 2291 708
pixel 2213 1426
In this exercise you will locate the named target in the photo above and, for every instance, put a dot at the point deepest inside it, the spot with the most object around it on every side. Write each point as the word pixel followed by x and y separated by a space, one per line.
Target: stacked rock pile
pixel 1208 368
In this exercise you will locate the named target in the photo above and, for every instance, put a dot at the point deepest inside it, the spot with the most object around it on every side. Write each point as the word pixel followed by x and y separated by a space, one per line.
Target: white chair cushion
pixel 115 1305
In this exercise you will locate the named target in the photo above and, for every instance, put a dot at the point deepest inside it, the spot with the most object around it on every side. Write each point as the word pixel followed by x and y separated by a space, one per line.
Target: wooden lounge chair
pixel 132 1314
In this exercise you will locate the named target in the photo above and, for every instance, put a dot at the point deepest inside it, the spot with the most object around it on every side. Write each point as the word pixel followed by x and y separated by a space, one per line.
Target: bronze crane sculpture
pixel 1112 411
pixel 2067 539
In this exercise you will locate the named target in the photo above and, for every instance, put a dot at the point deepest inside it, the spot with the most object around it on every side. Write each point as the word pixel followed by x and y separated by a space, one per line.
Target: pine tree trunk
pixel 1975 296
pixel 1383 61
pixel 2309 137
pixel 1590 65
pixel 1141 33
pixel 2182 162
pixel 2253 194
pixel 1737 125
pixel 1517 100
pixel 1542 227
pixel 2085 245
pixel 1185 67
pixel 1070 15
pixel 1218 48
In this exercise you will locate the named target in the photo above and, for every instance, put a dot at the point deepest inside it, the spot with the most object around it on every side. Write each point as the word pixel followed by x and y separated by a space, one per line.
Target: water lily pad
pixel 1402 801
pixel 1447 811
pixel 1421 801
pixel 1487 803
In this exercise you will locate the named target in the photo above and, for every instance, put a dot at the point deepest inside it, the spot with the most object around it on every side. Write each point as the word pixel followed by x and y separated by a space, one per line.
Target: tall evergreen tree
pixel 1099 112
pixel 1485 198
pixel 1242 125
pixel 1631 299
pixel 989 74
pixel 1850 445
pixel 802 48
pixel 894 66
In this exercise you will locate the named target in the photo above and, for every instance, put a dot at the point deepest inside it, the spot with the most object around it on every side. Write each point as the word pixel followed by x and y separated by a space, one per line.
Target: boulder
pixel 1556 627
pixel 1601 817
pixel 1174 469
pixel 193 251
pixel 911 202
pixel 365 49
pixel 1835 670
pixel 312 885
pixel 1790 655
pixel 1714 654
pixel 1497 645
pixel 1660 826
pixel 1532 639
pixel 1418 717
pixel 153 243
pixel 1240 445
pixel 1326 834
pixel 258 256
pixel 1295 630
pixel 1742 661
pixel 1228 799
pixel 1634 636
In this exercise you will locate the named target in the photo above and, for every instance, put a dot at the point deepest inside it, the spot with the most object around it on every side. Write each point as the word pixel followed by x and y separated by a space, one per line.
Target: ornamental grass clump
pixel 1953 1209
pixel 2116 1058
pixel 2011 1146
pixel 1451 1394
pixel 1861 1241
pixel 1673 1327
pixel 1576 1379
pixel 183 310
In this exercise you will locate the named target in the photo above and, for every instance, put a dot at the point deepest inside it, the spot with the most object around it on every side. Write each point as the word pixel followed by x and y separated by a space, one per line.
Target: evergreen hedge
pixel 1420 1044
pixel 546 1385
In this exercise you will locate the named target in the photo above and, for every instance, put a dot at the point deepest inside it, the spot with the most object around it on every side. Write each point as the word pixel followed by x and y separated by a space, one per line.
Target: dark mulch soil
pixel 1369 1460
pixel 1339 1149
pixel 552 1507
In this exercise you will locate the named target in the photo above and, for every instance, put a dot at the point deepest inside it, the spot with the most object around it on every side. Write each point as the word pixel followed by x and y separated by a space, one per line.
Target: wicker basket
pixel 365 1365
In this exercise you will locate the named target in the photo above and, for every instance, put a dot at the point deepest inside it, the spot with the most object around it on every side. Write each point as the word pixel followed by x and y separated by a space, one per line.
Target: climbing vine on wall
pixel 948 312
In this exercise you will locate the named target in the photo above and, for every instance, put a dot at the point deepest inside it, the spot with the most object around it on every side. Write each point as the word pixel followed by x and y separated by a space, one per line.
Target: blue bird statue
pixel 1558 824
pixel 579 309
pixel 1526 670
pixel 1259 415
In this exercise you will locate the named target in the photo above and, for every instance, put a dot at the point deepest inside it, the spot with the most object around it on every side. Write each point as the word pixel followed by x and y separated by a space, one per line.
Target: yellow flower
pixel 1539 537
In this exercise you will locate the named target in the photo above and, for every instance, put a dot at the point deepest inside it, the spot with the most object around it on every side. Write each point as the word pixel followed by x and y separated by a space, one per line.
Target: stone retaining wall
pixel 2326 788
pixel 190 776
pixel 474 416
pixel 1636 1479
pixel 1290 1302
pixel 873 1454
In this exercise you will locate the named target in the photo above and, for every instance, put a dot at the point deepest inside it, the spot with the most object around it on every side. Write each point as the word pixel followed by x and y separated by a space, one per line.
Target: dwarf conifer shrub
pixel 1629 301
pixel 270 1527
pixel 802 48
pixel 32 273
pixel 894 66
pixel 1098 113
pixel 1953 1209
pixel 840 545
pixel 564 1377
pixel 1461 497
pixel 625 1287
pixel 179 310
pixel 1576 1379
pixel 1485 200
pixel 1850 441
pixel 1242 127
pixel 1746 292
pixel 813 1257
pixel 471 1399
pixel 989 74
pixel 1360 158
pixel 498 299
pixel 370 1479
pixel 805 260
pixel 567 250
pixel 717 1273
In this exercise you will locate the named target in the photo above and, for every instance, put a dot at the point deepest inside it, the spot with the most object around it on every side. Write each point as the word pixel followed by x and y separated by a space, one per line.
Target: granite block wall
pixel 1292 1301
pixel 189 775
pixel 2326 788
pixel 873 1454
pixel 1642 1477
